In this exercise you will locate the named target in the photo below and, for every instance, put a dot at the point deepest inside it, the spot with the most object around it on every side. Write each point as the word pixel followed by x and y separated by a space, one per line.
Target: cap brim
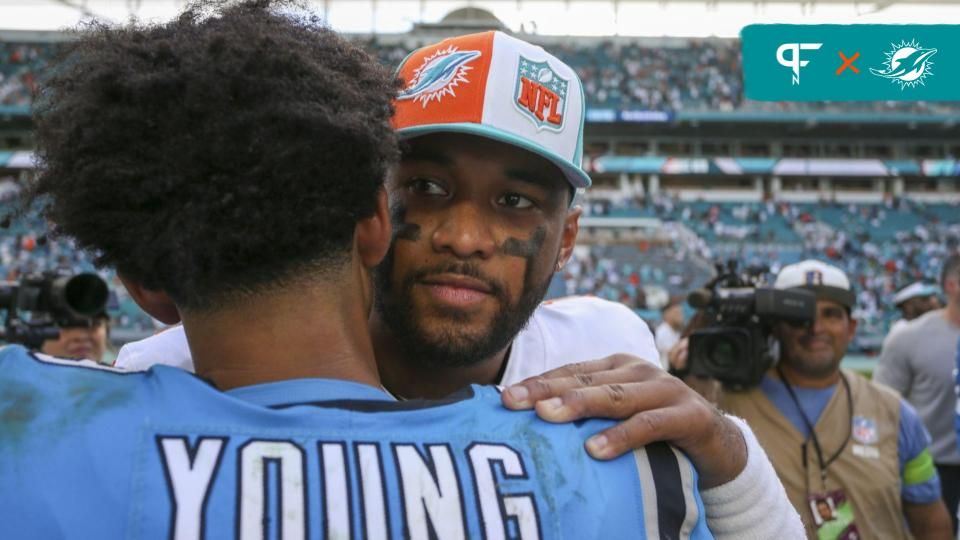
pixel 574 175
pixel 839 295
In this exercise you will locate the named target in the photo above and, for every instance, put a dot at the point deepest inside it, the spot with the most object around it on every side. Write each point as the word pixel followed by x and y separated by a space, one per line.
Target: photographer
pixel 836 439
pixel 80 338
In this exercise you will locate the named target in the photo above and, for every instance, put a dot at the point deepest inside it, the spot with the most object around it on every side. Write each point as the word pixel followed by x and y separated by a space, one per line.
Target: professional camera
pixel 736 346
pixel 52 300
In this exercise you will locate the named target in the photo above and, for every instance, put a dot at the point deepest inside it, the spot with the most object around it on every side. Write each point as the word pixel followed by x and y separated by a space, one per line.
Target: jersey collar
pixel 297 391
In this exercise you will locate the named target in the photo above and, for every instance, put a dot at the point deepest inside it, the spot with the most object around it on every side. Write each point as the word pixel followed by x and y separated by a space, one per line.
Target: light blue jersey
pixel 88 452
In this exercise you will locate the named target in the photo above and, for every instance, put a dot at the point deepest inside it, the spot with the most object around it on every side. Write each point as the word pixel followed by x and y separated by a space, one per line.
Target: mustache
pixel 465 269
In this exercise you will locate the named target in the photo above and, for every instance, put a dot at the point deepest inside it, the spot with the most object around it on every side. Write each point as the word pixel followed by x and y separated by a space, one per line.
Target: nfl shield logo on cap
pixel 541 94
pixel 495 86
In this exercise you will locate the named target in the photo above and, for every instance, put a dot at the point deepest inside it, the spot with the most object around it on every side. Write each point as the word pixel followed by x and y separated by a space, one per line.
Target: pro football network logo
pixel 541 94
pixel 439 76
pixel 794 62
pixel 907 64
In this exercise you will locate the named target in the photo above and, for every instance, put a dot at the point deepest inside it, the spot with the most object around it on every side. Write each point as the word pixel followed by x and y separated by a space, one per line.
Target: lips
pixel 456 290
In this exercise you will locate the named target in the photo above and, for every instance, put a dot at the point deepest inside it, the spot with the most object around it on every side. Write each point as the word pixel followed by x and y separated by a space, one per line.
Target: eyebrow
pixel 529 177
pixel 422 154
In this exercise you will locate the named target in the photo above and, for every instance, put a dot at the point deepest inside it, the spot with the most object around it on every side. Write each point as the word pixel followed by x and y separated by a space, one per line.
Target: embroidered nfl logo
pixel 864 430
pixel 541 94
pixel 439 75
pixel 814 277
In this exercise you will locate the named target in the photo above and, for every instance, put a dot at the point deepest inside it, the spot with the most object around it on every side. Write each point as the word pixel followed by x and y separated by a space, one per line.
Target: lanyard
pixel 813 433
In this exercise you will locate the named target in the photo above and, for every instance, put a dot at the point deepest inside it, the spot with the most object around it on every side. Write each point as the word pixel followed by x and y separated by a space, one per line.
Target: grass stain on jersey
pixel 18 409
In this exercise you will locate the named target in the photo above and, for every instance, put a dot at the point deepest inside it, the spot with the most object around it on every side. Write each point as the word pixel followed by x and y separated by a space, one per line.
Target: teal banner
pixel 861 62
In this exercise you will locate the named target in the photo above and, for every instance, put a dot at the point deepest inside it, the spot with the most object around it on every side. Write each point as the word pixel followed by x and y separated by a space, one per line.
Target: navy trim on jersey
pixel 671 502
pixel 373 405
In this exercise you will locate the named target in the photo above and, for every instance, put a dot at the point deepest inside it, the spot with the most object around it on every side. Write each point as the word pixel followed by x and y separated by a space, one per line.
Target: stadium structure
pixel 686 170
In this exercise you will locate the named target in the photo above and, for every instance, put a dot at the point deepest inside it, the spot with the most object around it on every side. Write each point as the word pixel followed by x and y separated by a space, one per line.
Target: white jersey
pixel 560 332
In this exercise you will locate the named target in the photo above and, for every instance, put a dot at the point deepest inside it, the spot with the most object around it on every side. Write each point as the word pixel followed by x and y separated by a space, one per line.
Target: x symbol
pixel 848 62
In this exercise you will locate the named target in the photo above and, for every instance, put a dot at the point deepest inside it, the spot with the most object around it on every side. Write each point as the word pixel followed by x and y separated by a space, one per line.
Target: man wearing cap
pixel 482 216
pixel 918 362
pixel 834 437
pixel 913 301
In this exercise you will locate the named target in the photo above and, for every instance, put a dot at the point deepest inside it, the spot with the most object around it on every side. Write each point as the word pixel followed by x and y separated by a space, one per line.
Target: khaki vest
pixel 871 483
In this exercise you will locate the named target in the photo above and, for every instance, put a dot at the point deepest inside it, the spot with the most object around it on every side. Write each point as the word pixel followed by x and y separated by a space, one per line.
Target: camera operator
pixel 80 338
pixel 836 439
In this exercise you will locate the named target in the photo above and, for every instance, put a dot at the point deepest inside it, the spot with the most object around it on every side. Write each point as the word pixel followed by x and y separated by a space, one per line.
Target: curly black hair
pixel 226 151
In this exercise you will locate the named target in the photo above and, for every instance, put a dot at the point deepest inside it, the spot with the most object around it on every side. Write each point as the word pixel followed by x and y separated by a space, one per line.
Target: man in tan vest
pixel 851 454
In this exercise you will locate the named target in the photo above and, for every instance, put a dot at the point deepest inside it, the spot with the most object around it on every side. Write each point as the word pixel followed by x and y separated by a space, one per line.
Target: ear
pixel 156 303
pixel 571 226
pixel 373 233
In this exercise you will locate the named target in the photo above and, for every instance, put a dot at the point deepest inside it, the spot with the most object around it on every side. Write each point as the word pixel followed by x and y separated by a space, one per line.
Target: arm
pixel 925 512
pixel 893 367
pixel 928 521
pixel 734 471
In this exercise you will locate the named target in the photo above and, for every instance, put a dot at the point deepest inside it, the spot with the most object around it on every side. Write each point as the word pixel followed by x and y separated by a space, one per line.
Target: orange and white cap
pixel 495 86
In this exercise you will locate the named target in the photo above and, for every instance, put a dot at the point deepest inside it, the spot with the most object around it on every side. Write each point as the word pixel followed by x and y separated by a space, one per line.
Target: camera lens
pixel 723 355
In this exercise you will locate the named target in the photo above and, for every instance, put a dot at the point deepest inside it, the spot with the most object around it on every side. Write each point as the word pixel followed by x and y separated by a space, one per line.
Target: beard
pixel 452 348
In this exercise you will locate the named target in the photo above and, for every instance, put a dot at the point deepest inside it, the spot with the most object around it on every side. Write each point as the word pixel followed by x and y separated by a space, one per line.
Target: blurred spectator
pixel 913 301
pixel 668 332
pixel 918 362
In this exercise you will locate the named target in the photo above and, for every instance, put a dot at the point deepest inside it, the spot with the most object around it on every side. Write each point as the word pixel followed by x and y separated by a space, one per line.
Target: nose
pixel 465 233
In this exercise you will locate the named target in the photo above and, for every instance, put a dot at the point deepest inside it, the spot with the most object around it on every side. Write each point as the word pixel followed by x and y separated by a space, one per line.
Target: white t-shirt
pixel 560 332
pixel 666 338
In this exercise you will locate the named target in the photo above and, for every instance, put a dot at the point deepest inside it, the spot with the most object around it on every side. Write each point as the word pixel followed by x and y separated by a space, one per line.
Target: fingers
pixel 609 370
pixel 612 400
pixel 679 425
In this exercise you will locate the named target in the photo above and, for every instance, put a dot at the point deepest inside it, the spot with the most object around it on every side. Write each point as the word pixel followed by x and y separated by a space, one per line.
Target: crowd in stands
pixel 883 247
pixel 701 75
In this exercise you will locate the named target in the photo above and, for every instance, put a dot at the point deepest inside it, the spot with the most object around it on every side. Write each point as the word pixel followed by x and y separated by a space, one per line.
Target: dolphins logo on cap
pixel 907 64
pixel 439 75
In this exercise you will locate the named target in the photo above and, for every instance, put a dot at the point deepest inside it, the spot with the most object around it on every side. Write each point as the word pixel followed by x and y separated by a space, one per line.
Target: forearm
pixel 928 521
pixel 732 510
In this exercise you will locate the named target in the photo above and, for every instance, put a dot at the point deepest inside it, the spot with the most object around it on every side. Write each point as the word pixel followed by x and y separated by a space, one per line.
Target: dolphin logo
pixel 438 75
pixel 908 64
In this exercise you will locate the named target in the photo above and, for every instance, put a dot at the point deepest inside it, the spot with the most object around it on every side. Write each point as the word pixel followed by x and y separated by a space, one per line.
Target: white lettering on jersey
pixel 495 507
pixel 375 520
pixel 254 519
pixel 189 475
pixel 336 494
pixel 431 493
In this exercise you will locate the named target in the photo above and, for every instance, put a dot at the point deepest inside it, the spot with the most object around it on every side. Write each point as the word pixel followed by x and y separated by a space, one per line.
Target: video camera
pixel 736 346
pixel 53 300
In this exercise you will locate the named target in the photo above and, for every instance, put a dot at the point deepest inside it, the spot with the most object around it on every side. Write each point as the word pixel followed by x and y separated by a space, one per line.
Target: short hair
pixel 227 151
pixel 951 268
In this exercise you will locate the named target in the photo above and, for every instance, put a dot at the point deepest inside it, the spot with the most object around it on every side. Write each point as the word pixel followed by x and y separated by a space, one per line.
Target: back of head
pixel 950 277
pixel 215 155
